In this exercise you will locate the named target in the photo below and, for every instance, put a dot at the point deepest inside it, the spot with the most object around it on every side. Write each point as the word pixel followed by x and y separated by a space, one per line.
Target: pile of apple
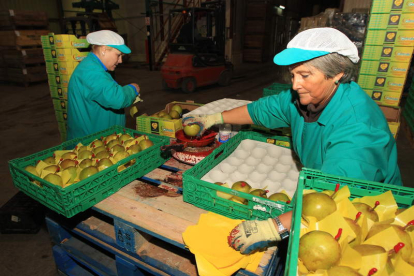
pixel 66 167
pixel 365 236
pixel 243 186
pixel 175 113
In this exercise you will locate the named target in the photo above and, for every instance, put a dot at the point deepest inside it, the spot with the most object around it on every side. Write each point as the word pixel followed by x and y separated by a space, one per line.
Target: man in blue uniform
pixel 95 100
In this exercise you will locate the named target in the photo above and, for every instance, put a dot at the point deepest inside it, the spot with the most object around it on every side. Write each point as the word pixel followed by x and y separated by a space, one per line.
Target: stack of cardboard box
pixel 62 54
pixel 387 52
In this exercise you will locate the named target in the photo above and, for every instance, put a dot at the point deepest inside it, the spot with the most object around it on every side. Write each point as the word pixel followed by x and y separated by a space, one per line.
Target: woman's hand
pixel 203 121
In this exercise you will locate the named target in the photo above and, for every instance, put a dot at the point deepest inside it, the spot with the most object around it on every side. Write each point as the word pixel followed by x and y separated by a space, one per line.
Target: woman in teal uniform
pixel 336 127
pixel 95 100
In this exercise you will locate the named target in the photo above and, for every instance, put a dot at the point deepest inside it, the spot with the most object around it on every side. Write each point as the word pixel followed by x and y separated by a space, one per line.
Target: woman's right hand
pixel 136 87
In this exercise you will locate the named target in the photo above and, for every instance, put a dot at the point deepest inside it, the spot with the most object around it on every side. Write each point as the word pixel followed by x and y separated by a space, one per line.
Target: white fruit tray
pixel 217 106
pixel 260 164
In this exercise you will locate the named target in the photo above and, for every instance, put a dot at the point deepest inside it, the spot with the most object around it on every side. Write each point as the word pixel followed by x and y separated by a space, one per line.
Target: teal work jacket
pixel 95 101
pixel 351 137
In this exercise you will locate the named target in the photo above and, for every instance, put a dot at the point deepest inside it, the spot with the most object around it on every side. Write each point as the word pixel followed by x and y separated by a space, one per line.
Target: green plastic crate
pixel 203 194
pixel 84 194
pixel 276 88
pixel 316 180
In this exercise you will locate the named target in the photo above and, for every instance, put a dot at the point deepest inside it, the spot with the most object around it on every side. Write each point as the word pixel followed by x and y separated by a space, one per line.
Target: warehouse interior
pixel 252 37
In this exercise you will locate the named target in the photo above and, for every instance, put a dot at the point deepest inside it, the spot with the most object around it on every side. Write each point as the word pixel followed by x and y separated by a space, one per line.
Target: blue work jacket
pixel 350 138
pixel 95 101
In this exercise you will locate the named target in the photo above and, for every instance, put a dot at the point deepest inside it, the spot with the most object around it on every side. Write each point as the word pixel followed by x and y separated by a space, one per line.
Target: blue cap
pixel 123 48
pixel 294 55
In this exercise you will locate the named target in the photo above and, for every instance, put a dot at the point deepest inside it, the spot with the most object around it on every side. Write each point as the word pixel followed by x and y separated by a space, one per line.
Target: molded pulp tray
pixel 316 180
pixel 203 194
pixel 84 194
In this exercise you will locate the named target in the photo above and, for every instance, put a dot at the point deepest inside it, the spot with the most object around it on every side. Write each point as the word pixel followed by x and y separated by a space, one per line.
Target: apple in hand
pixel 192 130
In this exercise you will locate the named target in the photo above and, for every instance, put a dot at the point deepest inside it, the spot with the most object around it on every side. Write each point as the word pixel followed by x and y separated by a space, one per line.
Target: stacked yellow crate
pixel 62 54
pixel 387 53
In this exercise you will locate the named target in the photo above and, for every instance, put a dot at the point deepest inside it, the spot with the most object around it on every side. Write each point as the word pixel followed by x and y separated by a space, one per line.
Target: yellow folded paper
pixel 208 242
pixel 404 217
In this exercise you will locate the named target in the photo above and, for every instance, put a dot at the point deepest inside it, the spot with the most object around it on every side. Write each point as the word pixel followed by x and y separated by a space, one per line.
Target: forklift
pixel 196 56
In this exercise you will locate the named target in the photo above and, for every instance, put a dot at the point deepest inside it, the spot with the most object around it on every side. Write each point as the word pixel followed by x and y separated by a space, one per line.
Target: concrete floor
pixel 28 125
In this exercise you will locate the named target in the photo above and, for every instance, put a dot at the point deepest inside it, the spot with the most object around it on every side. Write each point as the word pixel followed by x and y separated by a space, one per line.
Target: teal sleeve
pixel 272 111
pixel 358 151
pixel 106 92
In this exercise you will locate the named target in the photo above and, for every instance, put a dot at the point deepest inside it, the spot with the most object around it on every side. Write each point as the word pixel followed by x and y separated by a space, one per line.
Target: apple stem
pixel 375 206
pixel 358 215
pixel 372 271
pixel 411 223
pixel 338 236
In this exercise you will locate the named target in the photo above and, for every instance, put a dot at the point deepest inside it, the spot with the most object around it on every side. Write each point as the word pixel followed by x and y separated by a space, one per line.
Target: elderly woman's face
pixel 311 84
pixel 111 57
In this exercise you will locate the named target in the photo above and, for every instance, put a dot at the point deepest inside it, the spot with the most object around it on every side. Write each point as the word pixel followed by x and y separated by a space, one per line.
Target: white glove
pixel 204 121
pixel 253 235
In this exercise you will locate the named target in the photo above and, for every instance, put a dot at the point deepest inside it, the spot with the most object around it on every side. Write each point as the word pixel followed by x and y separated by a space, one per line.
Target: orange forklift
pixel 196 57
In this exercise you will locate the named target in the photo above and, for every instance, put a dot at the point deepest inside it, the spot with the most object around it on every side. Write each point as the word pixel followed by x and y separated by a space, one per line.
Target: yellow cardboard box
pixel 393 20
pixel 164 127
pixel 385 97
pixel 58 80
pixel 69 41
pixel 386 6
pixel 387 52
pixel 383 82
pixel 390 36
pixel 70 55
pixel 59 92
pixel 60 105
pixel 384 68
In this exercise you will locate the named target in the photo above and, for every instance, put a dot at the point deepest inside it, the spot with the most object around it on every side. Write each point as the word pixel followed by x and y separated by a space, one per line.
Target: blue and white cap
pixel 108 38
pixel 316 42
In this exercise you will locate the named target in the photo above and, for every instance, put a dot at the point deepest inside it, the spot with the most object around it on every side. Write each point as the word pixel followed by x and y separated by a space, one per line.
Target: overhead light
pixel 282 7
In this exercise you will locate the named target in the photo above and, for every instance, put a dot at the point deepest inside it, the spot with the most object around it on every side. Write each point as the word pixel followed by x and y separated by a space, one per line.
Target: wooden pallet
pixel 22 37
pixel 23 57
pixel 15 20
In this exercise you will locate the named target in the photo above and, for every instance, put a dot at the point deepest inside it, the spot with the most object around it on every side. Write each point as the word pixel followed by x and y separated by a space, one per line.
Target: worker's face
pixel 311 84
pixel 111 57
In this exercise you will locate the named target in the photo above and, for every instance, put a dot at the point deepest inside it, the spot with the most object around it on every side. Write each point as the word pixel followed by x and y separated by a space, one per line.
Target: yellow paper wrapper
pixel 404 217
pixel 133 111
pixel 346 208
pixel 386 209
pixel 332 223
pixel 208 241
pixel 379 261
pixel 388 238
pixel 59 153
pixel 402 267
pixel 40 166
pixel 350 257
pixel 412 243
pixel 341 194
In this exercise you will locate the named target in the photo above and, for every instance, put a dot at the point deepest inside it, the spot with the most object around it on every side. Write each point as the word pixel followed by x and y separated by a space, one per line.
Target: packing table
pixel 126 234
